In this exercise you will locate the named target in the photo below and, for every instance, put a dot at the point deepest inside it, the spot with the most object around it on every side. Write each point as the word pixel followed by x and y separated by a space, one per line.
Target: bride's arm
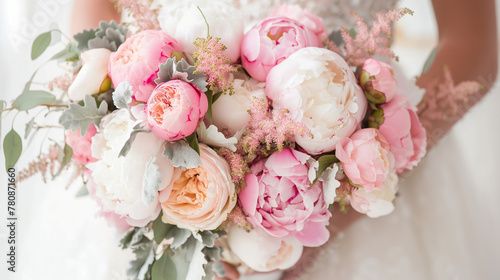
pixel 468 48
pixel 87 14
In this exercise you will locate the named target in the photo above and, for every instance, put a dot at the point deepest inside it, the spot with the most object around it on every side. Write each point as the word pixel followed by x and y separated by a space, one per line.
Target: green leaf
pixel 151 181
pixel 324 161
pixel 164 268
pixel 81 117
pixel 3 104
pixel 429 61
pixel 30 99
pixel 193 142
pixel 64 55
pixel 181 155
pixel 216 96
pixel 29 127
pixel 352 33
pixel 160 229
pixel 210 102
pixel 40 44
pixel 189 260
pixel 83 191
pixel 67 154
pixel 12 148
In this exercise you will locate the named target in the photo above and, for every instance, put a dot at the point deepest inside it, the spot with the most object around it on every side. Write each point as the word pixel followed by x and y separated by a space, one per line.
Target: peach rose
pixel 201 197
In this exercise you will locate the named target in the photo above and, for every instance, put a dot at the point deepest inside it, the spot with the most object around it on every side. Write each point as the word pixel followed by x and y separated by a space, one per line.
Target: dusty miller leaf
pixel 151 181
pixel 324 161
pixel 183 71
pixel 12 148
pixel 180 236
pixel 122 95
pixel 83 38
pixel 144 258
pixel 81 117
pixel 181 155
pixel 126 147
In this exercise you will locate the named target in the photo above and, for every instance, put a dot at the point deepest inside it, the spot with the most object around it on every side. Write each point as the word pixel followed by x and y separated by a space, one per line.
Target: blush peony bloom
pixel 303 16
pixel 230 112
pixel 272 40
pixel 175 108
pixel 278 198
pixel 377 79
pixel 202 197
pixel 138 59
pixel 263 252
pixel 81 144
pixel 319 89
pixel 119 179
pixel 378 202
pixel 92 74
pixel 365 158
pixel 183 21
pixel 404 132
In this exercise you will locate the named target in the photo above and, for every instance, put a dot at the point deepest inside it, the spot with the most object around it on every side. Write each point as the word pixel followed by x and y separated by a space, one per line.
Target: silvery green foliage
pixel 180 236
pixel 181 155
pixel 126 147
pixel 122 95
pixel 107 35
pixel 183 71
pixel 144 250
pixel 81 117
pixel 151 181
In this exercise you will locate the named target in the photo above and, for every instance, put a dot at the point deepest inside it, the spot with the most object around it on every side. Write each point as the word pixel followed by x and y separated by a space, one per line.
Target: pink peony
pixel 138 59
pixel 279 199
pixel 377 80
pixel 404 132
pixel 271 41
pixel 303 16
pixel 365 158
pixel 175 108
pixel 81 144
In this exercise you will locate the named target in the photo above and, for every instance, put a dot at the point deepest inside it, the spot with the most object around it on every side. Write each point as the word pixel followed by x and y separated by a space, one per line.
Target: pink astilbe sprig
pixel 446 101
pixel 238 165
pixel 370 41
pixel 61 82
pixel 239 218
pixel 210 59
pixel 44 164
pixel 144 16
pixel 269 127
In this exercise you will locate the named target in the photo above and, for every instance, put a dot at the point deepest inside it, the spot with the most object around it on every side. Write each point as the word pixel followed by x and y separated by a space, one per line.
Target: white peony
pixel 230 112
pixel 183 21
pixel 263 252
pixel 320 90
pixel 119 179
pixel 378 202
pixel 93 72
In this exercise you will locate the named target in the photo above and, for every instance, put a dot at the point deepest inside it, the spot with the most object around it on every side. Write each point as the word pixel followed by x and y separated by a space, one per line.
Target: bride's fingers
pixel 231 273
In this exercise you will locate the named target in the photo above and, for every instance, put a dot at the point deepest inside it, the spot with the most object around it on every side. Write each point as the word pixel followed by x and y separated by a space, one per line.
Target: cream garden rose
pixel 118 180
pixel 200 198
pixel 263 252
pixel 319 89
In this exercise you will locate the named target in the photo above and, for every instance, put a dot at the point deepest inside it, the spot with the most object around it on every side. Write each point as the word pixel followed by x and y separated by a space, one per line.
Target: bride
pixel 444 225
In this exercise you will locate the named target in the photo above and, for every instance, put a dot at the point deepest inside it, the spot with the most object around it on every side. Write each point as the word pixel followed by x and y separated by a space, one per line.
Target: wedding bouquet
pixel 208 144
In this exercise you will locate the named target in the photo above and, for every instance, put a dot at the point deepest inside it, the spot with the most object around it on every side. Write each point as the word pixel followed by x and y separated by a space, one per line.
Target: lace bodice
pixel 335 13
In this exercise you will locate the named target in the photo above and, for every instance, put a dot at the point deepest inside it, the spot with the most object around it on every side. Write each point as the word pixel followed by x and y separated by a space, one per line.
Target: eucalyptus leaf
pixel 12 148
pixel 83 191
pixel 122 95
pixel 182 155
pixel 81 117
pixel 28 83
pixel 164 268
pixel 180 236
pixel 29 127
pixel 160 229
pixel 3 104
pixel 151 181
pixel 30 99
pixel 430 60
pixel 40 44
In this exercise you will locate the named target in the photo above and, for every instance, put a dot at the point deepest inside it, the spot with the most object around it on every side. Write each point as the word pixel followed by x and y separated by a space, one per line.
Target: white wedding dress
pixel 445 226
